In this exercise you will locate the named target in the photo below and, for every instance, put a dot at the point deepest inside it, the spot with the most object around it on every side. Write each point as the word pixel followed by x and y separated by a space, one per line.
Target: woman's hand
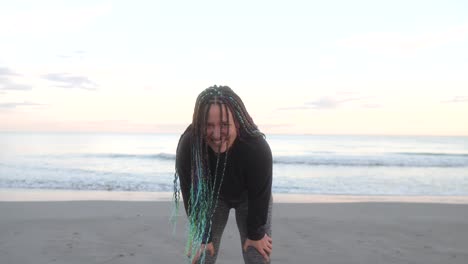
pixel 264 246
pixel 208 247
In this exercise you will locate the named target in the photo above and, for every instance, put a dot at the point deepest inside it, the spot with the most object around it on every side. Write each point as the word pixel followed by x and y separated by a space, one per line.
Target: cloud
pixel 7 84
pixel 79 54
pixel 66 80
pixel 15 105
pixel 330 102
pixel 324 103
pixel 457 99
pixel 6 72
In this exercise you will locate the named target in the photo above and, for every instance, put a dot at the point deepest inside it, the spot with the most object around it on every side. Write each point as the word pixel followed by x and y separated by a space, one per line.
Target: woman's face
pixel 220 128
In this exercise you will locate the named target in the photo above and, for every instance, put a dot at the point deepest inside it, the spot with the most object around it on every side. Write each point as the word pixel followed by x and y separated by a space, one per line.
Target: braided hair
pixel 206 184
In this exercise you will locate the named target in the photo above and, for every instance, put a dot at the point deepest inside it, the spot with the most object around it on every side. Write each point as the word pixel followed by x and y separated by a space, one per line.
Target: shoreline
pixel 46 195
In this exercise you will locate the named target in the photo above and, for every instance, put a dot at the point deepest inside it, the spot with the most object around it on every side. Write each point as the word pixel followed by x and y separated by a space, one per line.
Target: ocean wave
pixel 160 156
pixel 80 184
pixel 455 155
pixel 387 160
pixel 400 159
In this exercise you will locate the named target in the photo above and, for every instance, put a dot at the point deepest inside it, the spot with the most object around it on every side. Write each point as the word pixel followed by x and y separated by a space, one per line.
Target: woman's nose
pixel 216 133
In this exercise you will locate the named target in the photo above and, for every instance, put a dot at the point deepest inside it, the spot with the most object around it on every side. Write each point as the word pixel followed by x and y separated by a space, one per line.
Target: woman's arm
pixel 259 181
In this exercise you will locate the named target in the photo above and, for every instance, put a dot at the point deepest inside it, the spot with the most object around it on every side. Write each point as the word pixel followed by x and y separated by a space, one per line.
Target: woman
pixel 224 162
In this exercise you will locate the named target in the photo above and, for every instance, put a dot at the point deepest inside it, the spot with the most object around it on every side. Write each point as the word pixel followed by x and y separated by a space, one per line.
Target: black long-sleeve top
pixel 248 175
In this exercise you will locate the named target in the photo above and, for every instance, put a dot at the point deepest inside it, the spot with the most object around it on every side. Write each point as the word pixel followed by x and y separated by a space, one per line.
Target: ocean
pixel 303 164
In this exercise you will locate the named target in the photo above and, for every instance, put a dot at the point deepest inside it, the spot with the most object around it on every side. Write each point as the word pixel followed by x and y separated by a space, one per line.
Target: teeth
pixel 217 141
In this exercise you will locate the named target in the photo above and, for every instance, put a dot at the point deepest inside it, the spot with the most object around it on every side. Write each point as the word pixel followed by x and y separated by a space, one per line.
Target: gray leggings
pixel 220 218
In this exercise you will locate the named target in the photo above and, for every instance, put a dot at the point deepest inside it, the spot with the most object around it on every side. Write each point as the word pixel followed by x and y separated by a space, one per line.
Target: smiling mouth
pixel 217 142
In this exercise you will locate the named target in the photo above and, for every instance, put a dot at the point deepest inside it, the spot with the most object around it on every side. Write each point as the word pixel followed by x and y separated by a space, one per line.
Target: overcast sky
pixel 318 67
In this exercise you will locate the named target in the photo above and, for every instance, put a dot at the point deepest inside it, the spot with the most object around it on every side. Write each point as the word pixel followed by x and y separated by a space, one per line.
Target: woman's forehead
pixel 216 110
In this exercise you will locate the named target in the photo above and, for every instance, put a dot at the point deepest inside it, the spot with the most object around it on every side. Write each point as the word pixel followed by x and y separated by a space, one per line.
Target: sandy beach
pixel 315 232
